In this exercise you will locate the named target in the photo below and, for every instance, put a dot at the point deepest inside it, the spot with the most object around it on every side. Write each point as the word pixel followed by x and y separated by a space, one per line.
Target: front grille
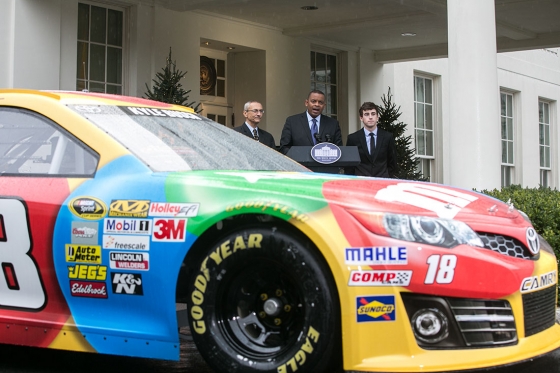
pixel 539 310
pixel 484 323
pixel 506 245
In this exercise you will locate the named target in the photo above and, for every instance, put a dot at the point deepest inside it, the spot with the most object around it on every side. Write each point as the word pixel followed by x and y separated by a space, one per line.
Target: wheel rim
pixel 260 309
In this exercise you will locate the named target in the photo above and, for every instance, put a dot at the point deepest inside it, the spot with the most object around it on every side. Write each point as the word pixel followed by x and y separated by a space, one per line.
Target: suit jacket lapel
pixel 306 127
pixel 363 143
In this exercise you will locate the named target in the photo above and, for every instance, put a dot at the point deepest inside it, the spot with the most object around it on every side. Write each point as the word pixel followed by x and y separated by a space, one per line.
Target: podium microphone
pixel 317 138
pixel 328 138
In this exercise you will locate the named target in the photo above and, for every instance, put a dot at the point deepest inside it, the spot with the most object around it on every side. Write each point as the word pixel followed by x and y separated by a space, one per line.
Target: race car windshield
pixel 170 140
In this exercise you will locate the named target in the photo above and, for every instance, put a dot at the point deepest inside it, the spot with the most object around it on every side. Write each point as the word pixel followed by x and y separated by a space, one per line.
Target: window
pixel 213 76
pixel 544 143
pixel 100 49
pixel 424 124
pixel 324 79
pixel 34 145
pixel 506 115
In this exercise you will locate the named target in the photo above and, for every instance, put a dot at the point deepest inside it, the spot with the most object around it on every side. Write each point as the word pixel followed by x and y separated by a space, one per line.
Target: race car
pixel 125 222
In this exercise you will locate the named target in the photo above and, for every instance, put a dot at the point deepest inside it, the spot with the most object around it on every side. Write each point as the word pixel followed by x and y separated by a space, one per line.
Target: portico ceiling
pixel 379 25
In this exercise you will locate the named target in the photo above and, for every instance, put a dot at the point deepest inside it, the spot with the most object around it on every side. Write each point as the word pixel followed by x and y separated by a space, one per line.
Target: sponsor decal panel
pixel 375 308
pixel 85 232
pixel 88 289
pixel 130 110
pixel 129 208
pixel 83 253
pixel 128 260
pixel 538 282
pixel 125 242
pixel 127 283
pixel 170 229
pixel 87 272
pixel 363 256
pixel 181 210
pixel 380 278
pixel 269 206
pixel 88 208
pixel 127 226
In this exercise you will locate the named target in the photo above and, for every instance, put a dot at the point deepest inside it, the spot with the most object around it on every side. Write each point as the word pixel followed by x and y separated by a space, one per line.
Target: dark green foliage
pixel 407 161
pixel 167 87
pixel 542 205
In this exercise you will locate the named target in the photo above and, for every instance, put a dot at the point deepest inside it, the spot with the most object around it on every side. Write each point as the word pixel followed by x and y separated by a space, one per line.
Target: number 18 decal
pixel 20 284
pixel 441 268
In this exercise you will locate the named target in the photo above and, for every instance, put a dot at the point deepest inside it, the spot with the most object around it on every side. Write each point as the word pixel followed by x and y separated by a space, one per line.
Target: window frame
pixel 508 143
pixel 426 164
pixel 315 84
pixel 545 126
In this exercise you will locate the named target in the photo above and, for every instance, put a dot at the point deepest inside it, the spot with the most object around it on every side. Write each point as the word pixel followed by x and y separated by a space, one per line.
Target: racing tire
pixel 264 300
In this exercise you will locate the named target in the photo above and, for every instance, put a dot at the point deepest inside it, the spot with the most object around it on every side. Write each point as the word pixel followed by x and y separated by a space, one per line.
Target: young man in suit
pixel 310 127
pixel 253 112
pixel 378 155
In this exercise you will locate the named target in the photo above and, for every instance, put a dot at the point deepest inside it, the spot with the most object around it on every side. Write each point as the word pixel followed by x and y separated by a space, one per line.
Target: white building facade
pixel 479 119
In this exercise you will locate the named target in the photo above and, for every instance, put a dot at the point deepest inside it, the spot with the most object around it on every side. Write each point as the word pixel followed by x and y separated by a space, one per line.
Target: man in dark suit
pixel 310 127
pixel 253 112
pixel 378 154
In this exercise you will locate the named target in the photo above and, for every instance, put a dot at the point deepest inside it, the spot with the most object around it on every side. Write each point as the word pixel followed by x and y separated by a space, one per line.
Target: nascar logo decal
pixel 375 308
pixel 87 208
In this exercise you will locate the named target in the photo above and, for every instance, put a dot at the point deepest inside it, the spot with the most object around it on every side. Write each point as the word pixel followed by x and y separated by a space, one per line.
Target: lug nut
pixel 277 321
pixel 264 296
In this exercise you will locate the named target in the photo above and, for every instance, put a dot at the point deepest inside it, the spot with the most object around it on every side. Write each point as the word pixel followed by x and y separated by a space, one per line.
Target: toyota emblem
pixel 533 241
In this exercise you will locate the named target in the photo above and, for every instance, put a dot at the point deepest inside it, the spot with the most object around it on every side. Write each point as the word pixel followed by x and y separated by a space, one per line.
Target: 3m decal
pixel 538 282
pixel 85 233
pixel 375 308
pixel 379 278
pixel 441 269
pixel 173 230
pixel 446 203
pixel 122 242
pixel 20 282
pixel 88 208
pixel 127 226
pixel 129 208
pixel 222 252
pixel 179 210
pixel 127 283
pixel 83 253
pixel 87 272
pixel 271 206
pixel 300 357
pixel 128 260
pixel 376 255
pixel 88 289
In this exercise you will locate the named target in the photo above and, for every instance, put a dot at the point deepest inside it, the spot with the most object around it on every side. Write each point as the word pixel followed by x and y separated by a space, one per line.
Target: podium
pixel 302 154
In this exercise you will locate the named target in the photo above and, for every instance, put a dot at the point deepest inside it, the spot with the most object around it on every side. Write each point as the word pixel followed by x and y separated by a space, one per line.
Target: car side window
pixel 31 144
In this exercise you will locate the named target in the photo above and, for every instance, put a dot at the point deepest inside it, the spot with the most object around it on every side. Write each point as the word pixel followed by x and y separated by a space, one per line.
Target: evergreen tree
pixel 167 88
pixel 407 161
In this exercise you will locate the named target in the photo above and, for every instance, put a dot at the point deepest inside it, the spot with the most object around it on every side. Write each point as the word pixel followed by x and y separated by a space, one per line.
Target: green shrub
pixel 542 205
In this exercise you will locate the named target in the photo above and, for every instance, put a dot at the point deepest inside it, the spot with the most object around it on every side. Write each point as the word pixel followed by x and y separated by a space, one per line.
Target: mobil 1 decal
pixel 127 283
pixel 127 226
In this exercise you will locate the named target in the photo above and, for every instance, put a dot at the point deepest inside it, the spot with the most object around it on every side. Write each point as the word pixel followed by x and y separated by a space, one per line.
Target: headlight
pixel 431 231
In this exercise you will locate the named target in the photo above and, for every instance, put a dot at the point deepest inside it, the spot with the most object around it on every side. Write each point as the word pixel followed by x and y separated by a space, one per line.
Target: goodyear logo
pixel 88 208
pixel 129 208
pixel 375 308
pixel 83 253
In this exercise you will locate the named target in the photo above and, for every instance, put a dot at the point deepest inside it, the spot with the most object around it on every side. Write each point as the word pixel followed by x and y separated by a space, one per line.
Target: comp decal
pixel 379 278
pixel 533 283
pixel 221 253
pixel 88 208
pixel 129 208
pixel 300 357
pixel 363 256
pixel 375 308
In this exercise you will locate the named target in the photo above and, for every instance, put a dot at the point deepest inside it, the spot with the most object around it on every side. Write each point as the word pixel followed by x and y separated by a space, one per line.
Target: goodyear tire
pixel 263 300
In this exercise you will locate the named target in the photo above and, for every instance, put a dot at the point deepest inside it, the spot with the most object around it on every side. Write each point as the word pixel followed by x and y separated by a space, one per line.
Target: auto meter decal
pixel 88 208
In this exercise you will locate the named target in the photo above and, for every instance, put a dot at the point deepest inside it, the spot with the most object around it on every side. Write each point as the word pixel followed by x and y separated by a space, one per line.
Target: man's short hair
pixel 368 106
pixel 248 103
pixel 315 91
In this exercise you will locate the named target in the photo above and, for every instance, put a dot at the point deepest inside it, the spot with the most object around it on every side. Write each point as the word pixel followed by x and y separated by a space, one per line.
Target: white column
pixel 474 128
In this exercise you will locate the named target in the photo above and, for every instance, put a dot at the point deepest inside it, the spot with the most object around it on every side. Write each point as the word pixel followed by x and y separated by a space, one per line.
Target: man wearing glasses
pixel 310 127
pixel 378 155
pixel 253 112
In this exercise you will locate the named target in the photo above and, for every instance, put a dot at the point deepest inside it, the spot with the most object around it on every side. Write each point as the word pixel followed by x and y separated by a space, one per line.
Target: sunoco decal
pixel 375 308
pixel 88 208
